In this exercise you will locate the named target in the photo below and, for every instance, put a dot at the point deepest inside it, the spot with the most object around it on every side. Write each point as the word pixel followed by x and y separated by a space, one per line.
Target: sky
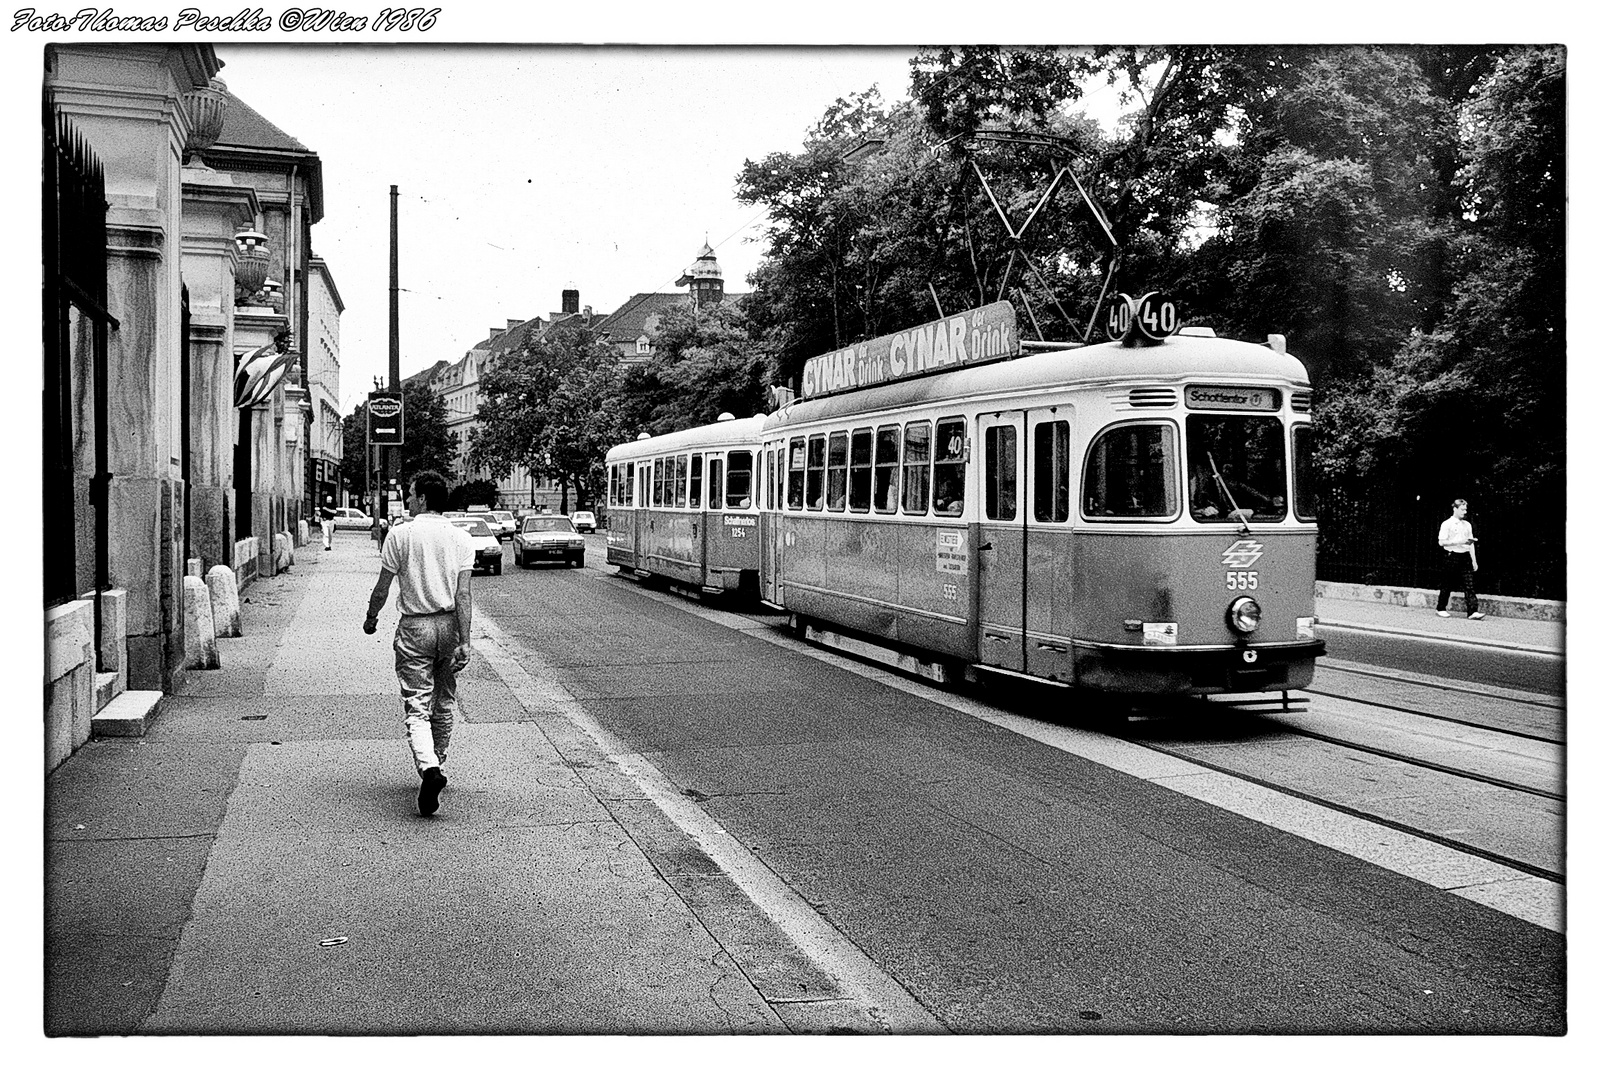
pixel 523 170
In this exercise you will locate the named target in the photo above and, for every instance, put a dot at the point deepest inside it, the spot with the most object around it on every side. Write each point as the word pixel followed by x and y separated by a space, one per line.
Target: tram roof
pixel 716 436
pixel 1176 358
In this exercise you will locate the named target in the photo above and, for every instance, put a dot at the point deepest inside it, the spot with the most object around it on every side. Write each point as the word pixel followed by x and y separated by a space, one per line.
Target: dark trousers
pixel 1457 570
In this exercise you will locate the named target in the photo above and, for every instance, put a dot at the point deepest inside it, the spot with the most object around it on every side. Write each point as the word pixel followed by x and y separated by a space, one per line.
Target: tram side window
pixel 1051 471
pixel 715 481
pixel 1303 495
pixel 628 483
pixel 796 474
pixel 815 471
pixel 886 470
pixel 1000 473
pixel 680 484
pixel 770 501
pixel 740 466
pixel 914 474
pixel 950 466
pixel 1236 463
pixel 656 478
pixel 1131 473
pixel 838 468
pixel 696 482
pixel 861 471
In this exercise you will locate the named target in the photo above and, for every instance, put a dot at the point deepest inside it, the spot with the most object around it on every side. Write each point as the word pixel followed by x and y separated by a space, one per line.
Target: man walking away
pixel 1458 561
pixel 327 520
pixel 432 561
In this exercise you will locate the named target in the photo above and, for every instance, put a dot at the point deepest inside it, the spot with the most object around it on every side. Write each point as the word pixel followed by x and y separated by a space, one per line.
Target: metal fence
pixel 1392 540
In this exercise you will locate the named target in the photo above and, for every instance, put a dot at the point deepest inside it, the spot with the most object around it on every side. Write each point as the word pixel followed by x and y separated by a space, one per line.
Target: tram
pixel 1134 517
pixel 681 506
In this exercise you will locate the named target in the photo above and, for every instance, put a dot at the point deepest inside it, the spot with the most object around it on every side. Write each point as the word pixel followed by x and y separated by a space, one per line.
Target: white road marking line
pixel 868 988
pixel 1502 888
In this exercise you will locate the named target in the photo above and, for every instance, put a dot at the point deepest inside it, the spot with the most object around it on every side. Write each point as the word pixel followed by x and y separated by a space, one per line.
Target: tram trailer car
pixel 682 506
pixel 1122 518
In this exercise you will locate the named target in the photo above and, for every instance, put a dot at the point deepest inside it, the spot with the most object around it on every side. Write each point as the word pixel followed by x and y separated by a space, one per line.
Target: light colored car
pixel 549 536
pixel 503 523
pixel 584 521
pixel 489 549
pixel 350 517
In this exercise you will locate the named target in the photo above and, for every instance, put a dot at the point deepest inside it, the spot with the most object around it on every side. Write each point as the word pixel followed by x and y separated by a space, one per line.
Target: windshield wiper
pixel 1243 516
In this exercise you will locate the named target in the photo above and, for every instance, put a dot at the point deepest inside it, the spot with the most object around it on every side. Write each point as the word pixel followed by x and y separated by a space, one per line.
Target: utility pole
pixel 388 462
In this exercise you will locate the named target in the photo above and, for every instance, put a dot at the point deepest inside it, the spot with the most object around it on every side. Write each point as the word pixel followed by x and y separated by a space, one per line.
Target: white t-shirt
pixel 1455 535
pixel 427 555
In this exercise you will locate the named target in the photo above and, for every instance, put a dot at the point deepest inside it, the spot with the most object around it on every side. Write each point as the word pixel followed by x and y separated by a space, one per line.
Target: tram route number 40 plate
pixel 1154 317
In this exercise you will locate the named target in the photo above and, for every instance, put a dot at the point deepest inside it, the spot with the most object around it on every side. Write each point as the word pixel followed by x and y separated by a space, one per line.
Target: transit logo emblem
pixel 1243 553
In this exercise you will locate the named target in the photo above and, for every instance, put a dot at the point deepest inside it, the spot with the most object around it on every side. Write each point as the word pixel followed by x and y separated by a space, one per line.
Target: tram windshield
pixel 1236 463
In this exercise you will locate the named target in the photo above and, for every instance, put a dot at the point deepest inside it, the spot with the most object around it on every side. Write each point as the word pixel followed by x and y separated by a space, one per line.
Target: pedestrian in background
pixel 327 520
pixel 1458 561
pixel 432 561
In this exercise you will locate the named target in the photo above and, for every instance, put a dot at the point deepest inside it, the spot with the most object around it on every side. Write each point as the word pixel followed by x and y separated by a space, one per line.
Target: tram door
pixel 645 470
pixel 1047 543
pixel 1000 557
pixel 770 534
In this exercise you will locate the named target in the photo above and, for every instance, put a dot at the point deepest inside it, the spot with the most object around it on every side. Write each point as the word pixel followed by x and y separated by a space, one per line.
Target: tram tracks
pixel 1480 771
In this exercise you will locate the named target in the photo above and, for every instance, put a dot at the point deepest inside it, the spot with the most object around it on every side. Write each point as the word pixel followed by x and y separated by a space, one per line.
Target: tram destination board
pixel 976 336
pixel 385 418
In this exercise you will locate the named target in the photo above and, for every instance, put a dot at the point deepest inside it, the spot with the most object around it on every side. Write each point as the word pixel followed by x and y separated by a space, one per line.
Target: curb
pixel 1505 607
pixel 1504 646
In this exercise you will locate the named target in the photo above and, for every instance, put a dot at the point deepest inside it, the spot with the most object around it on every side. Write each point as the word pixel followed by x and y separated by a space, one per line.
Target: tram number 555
pixel 1240 579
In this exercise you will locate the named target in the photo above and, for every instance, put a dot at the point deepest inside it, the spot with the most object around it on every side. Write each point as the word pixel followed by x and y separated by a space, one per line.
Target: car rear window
pixel 477 528
pixel 552 524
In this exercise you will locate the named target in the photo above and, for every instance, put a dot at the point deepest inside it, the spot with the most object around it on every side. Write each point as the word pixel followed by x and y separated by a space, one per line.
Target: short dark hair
pixel 431 486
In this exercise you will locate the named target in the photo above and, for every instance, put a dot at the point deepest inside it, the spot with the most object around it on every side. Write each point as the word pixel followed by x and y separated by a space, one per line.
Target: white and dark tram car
pixel 1134 517
pixel 682 506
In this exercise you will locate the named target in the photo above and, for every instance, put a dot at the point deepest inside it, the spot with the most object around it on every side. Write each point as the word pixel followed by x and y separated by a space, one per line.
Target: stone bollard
pixel 192 568
pixel 225 601
pixel 301 532
pixel 280 550
pixel 200 643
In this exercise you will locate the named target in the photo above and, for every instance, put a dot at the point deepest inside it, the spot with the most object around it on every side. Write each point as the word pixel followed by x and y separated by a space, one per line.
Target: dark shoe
pixel 430 790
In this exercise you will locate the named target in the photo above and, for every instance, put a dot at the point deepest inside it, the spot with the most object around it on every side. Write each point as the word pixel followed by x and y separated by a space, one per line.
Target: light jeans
pixel 327 528
pixel 424 647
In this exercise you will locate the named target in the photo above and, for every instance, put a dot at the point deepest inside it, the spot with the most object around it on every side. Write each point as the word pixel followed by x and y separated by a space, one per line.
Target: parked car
pixel 350 517
pixel 584 521
pixel 548 536
pixel 489 553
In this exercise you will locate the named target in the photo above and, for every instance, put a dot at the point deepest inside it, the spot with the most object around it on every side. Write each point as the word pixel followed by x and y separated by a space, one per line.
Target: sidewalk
pixel 256 863
pixel 1526 635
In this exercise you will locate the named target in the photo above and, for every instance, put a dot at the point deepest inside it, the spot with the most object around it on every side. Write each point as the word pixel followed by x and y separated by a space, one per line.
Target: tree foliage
pixel 553 406
pixel 427 442
pixel 704 363
pixel 1396 212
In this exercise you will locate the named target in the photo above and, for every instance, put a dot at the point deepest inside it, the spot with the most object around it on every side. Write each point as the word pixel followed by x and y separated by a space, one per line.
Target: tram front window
pixel 1236 463
pixel 1131 472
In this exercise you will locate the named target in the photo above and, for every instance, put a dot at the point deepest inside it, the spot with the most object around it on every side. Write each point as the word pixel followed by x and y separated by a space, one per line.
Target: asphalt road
pixel 1010 886
pixel 1509 669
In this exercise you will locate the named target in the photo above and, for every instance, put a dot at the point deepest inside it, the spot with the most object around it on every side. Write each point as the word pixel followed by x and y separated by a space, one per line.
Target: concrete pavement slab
pixel 522 907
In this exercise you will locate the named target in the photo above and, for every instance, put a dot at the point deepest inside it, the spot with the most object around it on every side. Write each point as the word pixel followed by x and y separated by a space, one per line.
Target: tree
pixel 704 363
pixel 553 407
pixel 354 452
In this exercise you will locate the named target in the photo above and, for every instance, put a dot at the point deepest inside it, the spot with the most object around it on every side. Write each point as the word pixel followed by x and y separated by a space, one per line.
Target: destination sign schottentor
pixel 969 337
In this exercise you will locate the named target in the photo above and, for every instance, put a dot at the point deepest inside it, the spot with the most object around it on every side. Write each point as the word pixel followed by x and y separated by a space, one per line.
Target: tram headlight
pixel 1243 614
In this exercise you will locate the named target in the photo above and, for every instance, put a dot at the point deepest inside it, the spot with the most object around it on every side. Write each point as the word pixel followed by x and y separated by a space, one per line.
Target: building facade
pixel 165 360
pixel 324 384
